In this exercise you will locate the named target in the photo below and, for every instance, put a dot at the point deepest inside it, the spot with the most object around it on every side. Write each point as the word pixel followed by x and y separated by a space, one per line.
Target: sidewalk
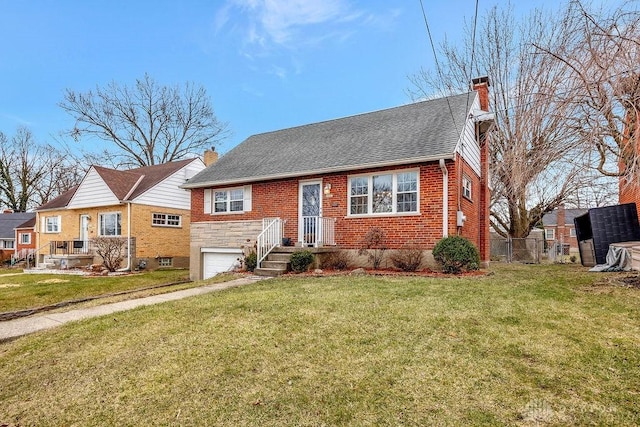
pixel 26 325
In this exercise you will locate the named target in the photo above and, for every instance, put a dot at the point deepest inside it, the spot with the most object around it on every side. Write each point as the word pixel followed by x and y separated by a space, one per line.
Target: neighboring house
pixel 9 221
pixel 144 206
pixel 26 239
pixel 560 230
pixel 419 172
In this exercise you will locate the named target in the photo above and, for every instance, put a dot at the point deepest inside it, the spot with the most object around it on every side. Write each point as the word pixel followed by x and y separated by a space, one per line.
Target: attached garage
pixel 219 260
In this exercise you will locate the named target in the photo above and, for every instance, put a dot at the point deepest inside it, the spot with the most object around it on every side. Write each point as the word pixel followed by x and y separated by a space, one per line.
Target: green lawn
pixel 27 291
pixel 526 345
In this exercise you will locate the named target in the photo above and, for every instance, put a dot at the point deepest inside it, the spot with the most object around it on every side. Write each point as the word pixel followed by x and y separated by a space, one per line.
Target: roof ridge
pixel 351 116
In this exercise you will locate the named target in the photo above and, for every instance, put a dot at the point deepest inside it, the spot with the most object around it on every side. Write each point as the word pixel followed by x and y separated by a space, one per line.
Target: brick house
pixel 559 229
pixel 9 237
pixel 419 172
pixel 144 206
pixel 26 238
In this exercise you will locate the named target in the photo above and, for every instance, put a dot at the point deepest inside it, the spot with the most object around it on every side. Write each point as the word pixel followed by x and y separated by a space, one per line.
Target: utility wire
pixel 435 57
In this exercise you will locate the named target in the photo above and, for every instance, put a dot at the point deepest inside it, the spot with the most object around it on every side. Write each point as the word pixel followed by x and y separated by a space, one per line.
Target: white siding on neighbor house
pixel 168 193
pixel 93 191
pixel 469 148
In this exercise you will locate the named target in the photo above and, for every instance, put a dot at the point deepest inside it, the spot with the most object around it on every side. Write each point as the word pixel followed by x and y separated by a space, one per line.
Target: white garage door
pixel 216 261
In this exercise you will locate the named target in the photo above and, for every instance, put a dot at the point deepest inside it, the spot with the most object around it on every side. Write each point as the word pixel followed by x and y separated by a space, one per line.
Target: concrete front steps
pixel 278 261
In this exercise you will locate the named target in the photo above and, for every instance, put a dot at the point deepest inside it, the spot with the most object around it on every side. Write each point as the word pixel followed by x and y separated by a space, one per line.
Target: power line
pixel 435 57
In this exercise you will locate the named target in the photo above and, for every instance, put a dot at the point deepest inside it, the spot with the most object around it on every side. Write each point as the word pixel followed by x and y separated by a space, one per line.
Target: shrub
pixel 373 246
pixel 111 250
pixel 456 254
pixel 408 258
pixel 300 261
pixel 340 260
pixel 251 261
pixel 573 258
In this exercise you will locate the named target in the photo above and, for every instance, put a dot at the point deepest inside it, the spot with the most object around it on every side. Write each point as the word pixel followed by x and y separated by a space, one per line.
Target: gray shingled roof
pixel 551 218
pixel 421 131
pixel 9 221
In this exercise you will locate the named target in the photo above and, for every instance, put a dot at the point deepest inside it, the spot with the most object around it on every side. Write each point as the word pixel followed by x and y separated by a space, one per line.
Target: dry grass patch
pixel 525 346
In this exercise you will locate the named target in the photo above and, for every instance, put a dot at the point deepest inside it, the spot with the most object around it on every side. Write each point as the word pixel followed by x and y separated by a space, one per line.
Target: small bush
pixel 111 250
pixel 300 261
pixel 373 245
pixel 573 258
pixel 340 260
pixel 251 261
pixel 456 254
pixel 408 258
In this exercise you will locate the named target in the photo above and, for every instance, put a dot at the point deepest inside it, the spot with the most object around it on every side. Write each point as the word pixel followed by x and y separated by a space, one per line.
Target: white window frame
pixel 22 236
pixel 51 224
pixel 101 223
pixel 550 234
pixel 7 244
pixel 394 202
pixel 165 261
pixel 466 187
pixel 166 220
pixel 228 200
pixel 572 232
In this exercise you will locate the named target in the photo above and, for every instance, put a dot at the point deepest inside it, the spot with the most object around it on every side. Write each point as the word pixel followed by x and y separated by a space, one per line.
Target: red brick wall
pixel 629 192
pixel 280 199
pixel 20 246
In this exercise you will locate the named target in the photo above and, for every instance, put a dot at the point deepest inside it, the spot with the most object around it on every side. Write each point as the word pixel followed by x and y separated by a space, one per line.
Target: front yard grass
pixel 28 291
pixel 527 345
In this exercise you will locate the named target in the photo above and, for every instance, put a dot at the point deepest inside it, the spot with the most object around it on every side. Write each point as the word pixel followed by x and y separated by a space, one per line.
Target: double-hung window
pixel 25 238
pixel 51 224
pixel 466 187
pixel 110 224
pixel 231 200
pixel 384 193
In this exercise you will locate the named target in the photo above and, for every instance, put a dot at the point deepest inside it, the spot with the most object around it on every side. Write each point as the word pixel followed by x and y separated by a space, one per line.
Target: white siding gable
pixel 468 147
pixel 92 191
pixel 168 193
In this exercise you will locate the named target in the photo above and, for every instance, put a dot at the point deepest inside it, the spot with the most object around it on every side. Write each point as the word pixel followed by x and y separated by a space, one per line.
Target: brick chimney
pixel 210 156
pixel 560 222
pixel 481 85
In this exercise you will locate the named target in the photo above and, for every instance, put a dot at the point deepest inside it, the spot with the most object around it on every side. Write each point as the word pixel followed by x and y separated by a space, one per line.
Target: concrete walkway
pixel 26 325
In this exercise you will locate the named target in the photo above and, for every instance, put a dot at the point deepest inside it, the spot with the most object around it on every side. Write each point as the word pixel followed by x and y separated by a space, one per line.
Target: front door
pixel 84 231
pixel 310 212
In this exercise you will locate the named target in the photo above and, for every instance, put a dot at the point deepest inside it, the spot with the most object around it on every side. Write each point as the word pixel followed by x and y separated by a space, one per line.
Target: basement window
pixel 165 262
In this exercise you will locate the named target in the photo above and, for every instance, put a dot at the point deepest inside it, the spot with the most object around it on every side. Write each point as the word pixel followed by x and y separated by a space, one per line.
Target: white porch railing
pixel 318 231
pixel 22 254
pixel 270 237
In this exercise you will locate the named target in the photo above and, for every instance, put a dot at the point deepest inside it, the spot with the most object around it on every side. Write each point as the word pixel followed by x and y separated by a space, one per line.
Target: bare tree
pixel 535 160
pixel 148 123
pixel 32 173
pixel 601 50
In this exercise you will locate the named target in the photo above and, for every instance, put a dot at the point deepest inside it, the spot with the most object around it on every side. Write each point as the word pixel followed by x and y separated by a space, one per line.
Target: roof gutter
pixel 322 171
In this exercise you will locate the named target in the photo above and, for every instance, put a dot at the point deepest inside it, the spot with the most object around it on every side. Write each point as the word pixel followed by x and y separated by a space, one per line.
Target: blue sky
pixel 266 64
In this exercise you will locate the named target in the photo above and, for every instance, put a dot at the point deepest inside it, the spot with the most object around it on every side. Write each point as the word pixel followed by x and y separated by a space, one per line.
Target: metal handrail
pixel 269 238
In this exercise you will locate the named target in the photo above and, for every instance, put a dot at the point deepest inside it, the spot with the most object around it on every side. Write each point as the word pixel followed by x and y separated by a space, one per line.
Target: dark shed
pixel 600 227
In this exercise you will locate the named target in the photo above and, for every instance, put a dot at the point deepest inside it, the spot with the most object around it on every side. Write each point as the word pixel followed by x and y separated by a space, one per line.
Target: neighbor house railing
pixel 318 231
pixel 69 247
pixel 22 254
pixel 270 237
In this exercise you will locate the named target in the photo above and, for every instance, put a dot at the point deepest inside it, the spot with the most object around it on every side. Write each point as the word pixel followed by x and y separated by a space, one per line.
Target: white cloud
pixel 283 22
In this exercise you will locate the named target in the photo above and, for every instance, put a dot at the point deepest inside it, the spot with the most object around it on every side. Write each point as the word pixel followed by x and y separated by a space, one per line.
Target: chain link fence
pixel 525 250
pixel 531 250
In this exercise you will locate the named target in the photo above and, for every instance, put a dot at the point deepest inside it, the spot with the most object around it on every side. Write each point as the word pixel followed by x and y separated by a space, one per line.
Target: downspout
pixel 128 267
pixel 445 199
